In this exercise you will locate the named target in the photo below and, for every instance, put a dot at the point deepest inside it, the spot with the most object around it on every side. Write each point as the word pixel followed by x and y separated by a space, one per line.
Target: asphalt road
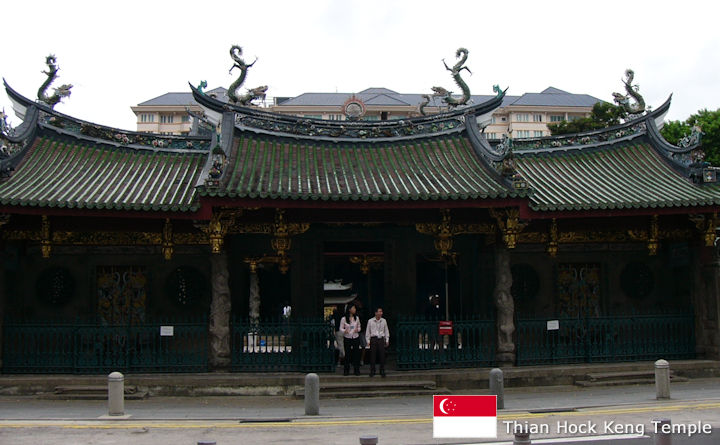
pixel 396 420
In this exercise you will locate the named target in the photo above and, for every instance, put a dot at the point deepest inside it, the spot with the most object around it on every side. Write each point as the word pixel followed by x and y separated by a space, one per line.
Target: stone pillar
pixel 254 301
pixel 505 305
pixel 706 302
pixel 220 312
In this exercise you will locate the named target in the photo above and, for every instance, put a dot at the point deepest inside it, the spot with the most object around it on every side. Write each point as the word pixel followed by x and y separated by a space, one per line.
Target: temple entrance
pixel 354 271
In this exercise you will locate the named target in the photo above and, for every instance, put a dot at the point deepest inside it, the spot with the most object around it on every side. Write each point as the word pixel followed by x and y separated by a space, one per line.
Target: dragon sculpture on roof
pixel 623 100
pixel 252 94
pixel 60 92
pixel 462 54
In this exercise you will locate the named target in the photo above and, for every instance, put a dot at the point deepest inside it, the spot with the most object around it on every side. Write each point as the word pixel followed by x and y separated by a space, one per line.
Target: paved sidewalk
pixel 278 408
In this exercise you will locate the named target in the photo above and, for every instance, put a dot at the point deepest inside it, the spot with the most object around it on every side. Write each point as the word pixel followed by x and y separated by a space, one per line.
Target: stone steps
pixel 375 387
pixel 91 392
pixel 619 378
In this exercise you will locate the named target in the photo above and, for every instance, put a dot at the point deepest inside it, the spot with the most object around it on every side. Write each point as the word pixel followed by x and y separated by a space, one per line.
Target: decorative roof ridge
pixel 687 160
pixel 592 138
pixel 499 163
pixel 588 147
pixel 106 134
pixel 455 128
pixel 117 144
pixel 19 143
pixel 247 118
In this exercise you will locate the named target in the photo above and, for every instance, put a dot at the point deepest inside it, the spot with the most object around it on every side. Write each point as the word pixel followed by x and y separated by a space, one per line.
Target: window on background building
pixel 538 134
pixel 165 119
pixel 186 118
pixel 313 116
pixel 522 134
pixel 503 119
pixel 492 135
pixel 573 118
pixel 147 117
pixel 537 118
pixel 557 118
pixel 492 120
pixel 522 117
pixel 371 118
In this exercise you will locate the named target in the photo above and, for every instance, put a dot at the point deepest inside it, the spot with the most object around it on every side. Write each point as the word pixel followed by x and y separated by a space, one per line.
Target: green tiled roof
pixel 444 167
pixel 81 174
pixel 623 176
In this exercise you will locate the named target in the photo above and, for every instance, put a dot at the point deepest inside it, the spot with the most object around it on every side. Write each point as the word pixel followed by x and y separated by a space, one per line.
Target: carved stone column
pixel 505 305
pixel 220 312
pixel 254 303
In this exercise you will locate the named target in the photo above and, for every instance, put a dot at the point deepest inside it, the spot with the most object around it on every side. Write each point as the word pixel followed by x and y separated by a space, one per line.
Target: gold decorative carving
pixel 281 232
pixel 509 223
pixel 654 238
pixel 282 262
pixel 167 240
pixel 706 224
pixel 552 247
pixel 45 242
pixel 533 237
pixel 106 238
pixel 4 219
pixel 365 261
pixel 446 230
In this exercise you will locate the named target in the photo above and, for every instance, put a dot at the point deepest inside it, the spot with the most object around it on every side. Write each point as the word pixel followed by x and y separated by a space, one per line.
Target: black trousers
pixel 352 353
pixel 377 354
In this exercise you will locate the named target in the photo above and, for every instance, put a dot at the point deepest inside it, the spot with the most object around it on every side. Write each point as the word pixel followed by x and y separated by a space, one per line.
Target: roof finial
pixel 60 92
pixel 632 91
pixel 252 94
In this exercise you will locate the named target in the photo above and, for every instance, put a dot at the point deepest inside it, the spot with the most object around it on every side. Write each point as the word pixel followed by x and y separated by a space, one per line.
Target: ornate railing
pixel 282 345
pixel 97 348
pixel 420 346
pixel 606 339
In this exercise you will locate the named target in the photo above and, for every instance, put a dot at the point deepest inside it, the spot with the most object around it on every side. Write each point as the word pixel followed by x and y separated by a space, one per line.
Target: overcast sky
pixel 118 54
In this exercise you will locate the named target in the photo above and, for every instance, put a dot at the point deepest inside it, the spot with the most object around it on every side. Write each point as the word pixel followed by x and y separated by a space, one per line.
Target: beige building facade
pixel 525 116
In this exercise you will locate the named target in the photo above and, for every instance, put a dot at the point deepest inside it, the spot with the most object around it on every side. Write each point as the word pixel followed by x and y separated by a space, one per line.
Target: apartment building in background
pixel 525 116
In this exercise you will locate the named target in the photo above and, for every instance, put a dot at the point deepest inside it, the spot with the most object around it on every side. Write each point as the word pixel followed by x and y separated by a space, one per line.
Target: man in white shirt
pixel 378 335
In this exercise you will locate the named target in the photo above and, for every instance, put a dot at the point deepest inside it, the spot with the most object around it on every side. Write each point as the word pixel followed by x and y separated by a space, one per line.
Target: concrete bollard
pixel 662 379
pixel 368 440
pixel 116 394
pixel 662 438
pixel 497 386
pixel 522 436
pixel 312 394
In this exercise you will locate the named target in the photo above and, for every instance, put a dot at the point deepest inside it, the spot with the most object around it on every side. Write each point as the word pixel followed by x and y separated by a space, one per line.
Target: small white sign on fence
pixel 553 325
pixel 167 331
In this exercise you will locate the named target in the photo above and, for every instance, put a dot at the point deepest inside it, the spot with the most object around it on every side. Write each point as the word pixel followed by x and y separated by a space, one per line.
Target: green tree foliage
pixel 603 115
pixel 709 122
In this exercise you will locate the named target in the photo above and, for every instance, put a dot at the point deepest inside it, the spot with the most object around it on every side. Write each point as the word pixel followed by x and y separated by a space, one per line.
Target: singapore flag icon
pixel 464 416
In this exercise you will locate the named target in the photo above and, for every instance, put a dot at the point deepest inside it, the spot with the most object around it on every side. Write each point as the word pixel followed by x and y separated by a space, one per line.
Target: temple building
pixel 145 252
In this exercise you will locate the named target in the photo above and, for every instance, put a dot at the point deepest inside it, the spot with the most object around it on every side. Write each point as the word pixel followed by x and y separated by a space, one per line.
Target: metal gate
pixel 419 345
pixel 97 348
pixel 606 339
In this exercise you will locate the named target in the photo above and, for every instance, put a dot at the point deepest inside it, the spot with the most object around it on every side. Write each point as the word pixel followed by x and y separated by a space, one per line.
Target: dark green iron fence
pixel 419 345
pixel 96 348
pixel 283 345
pixel 606 339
